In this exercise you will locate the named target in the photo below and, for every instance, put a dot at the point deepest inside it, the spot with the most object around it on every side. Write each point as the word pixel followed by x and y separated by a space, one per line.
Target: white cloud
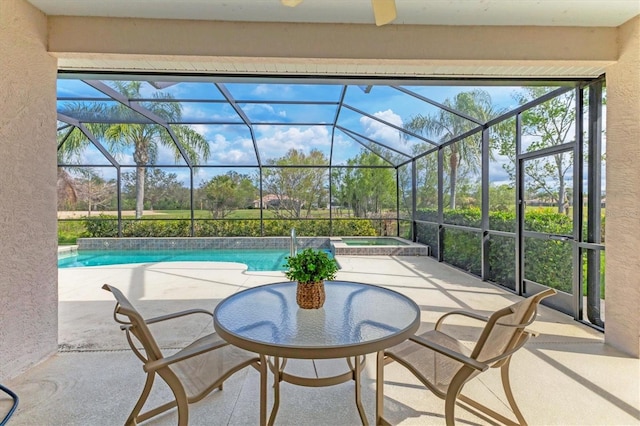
pixel 497 173
pixel 261 89
pixel 238 151
pixel 200 112
pixel 124 158
pixel 344 149
pixel 381 132
pixel 250 109
pixel 274 141
pixel 202 129
pixel 91 155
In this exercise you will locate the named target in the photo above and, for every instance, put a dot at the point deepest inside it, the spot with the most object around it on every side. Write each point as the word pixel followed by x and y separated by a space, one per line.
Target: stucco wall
pixel 28 269
pixel 339 49
pixel 623 194
pixel 325 41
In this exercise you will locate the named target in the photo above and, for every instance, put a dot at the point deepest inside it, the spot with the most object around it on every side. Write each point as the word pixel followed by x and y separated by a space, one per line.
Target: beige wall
pixel 291 40
pixel 199 46
pixel 28 270
pixel 623 194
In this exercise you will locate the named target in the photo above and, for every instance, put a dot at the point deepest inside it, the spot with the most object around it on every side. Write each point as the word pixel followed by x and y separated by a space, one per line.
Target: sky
pixel 279 126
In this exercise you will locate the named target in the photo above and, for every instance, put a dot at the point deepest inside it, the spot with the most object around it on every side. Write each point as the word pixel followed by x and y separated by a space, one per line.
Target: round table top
pixel 356 319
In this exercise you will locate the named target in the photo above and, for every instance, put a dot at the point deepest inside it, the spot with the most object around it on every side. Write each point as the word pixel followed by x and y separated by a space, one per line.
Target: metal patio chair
pixel 14 404
pixel 444 364
pixel 191 373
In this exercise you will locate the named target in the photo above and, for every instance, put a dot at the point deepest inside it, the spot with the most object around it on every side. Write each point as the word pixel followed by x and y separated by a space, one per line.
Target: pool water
pixel 256 260
pixel 373 242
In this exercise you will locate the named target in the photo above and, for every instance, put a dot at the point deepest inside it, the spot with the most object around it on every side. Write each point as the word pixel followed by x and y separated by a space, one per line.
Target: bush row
pixel 107 226
pixel 547 261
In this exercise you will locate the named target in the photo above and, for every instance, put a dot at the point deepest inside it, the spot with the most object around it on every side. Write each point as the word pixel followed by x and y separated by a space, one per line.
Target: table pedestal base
pixel 277 366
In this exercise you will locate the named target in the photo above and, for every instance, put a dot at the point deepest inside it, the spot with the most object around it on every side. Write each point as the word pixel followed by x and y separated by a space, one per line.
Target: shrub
pixel 310 266
pixel 548 262
pixel 102 226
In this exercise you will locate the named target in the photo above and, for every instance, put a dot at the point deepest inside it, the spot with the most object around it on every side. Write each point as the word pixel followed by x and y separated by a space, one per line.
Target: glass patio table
pixel 356 319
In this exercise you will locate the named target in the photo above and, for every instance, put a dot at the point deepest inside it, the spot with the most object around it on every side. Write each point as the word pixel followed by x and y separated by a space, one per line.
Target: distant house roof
pixel 269 199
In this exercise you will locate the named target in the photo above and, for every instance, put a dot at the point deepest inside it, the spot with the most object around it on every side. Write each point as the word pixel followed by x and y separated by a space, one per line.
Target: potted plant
pixel 310 268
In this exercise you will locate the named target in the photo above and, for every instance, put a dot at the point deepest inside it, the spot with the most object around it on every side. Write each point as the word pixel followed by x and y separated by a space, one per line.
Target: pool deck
pixel 566 376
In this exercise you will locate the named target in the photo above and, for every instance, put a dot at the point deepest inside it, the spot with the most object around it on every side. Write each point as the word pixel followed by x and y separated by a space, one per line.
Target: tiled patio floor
pixel 566 376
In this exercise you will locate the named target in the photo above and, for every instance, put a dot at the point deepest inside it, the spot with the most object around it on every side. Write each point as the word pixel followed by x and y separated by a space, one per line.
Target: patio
pixel 565 376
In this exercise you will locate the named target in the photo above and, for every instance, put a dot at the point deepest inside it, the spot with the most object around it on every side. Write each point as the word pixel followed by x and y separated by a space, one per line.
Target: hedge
pixel 548 262
pixel 107 226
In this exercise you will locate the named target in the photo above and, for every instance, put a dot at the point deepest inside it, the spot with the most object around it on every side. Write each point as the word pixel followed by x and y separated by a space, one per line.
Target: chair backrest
pixel 134 324
pixel 505 328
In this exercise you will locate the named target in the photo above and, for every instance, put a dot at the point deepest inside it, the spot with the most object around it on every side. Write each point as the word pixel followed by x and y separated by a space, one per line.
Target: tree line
pixel 289 190
pixel 296 184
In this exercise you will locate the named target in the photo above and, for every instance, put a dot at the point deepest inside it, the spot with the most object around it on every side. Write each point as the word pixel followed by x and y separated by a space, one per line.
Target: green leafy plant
pixel 310 266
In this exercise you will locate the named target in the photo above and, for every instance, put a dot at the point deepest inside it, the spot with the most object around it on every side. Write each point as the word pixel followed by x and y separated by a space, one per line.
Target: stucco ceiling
pixel 606 13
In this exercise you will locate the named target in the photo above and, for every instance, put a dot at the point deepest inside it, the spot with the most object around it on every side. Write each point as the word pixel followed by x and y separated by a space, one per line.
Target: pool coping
pixel 200 243
pixel 335 244
pixel 67 251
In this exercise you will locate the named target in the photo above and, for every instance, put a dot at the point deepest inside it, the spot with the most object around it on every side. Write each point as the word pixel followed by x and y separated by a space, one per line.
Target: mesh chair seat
pixel 199 372
pixel 438 369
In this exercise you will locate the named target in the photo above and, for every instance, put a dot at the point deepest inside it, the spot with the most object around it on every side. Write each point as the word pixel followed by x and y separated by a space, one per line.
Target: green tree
pixel 225 193
pixel 368 190
pixel 444 126
pixel 143 138
pixel 163 191
pixel 502 197
pixel 549 124
pixel 296 189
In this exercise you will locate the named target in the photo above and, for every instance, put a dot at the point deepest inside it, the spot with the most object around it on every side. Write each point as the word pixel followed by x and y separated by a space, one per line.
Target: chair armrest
pixel 171 316
pixel 473 363
pixel 186 353
pixel 468 314
pixel 177 315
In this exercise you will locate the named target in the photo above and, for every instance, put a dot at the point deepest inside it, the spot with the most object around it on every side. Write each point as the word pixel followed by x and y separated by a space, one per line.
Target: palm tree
pixel 444 126
pixel 144 138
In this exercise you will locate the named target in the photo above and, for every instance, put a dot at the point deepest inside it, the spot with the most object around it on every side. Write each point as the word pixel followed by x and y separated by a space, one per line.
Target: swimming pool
pixel 256 260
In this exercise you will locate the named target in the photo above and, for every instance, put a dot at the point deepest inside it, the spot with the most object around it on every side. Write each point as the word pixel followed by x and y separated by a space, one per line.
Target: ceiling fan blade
pixel 290 3
pixel 384 11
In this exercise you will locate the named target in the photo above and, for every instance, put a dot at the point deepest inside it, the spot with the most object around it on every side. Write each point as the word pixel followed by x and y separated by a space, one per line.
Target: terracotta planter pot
pixel 310 295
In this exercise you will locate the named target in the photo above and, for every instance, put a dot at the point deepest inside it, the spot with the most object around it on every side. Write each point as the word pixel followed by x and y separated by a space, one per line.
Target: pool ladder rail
pixel 293 245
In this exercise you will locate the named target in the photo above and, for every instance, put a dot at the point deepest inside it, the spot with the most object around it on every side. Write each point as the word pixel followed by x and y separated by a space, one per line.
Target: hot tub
pixel 374 241
pixel 377 246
